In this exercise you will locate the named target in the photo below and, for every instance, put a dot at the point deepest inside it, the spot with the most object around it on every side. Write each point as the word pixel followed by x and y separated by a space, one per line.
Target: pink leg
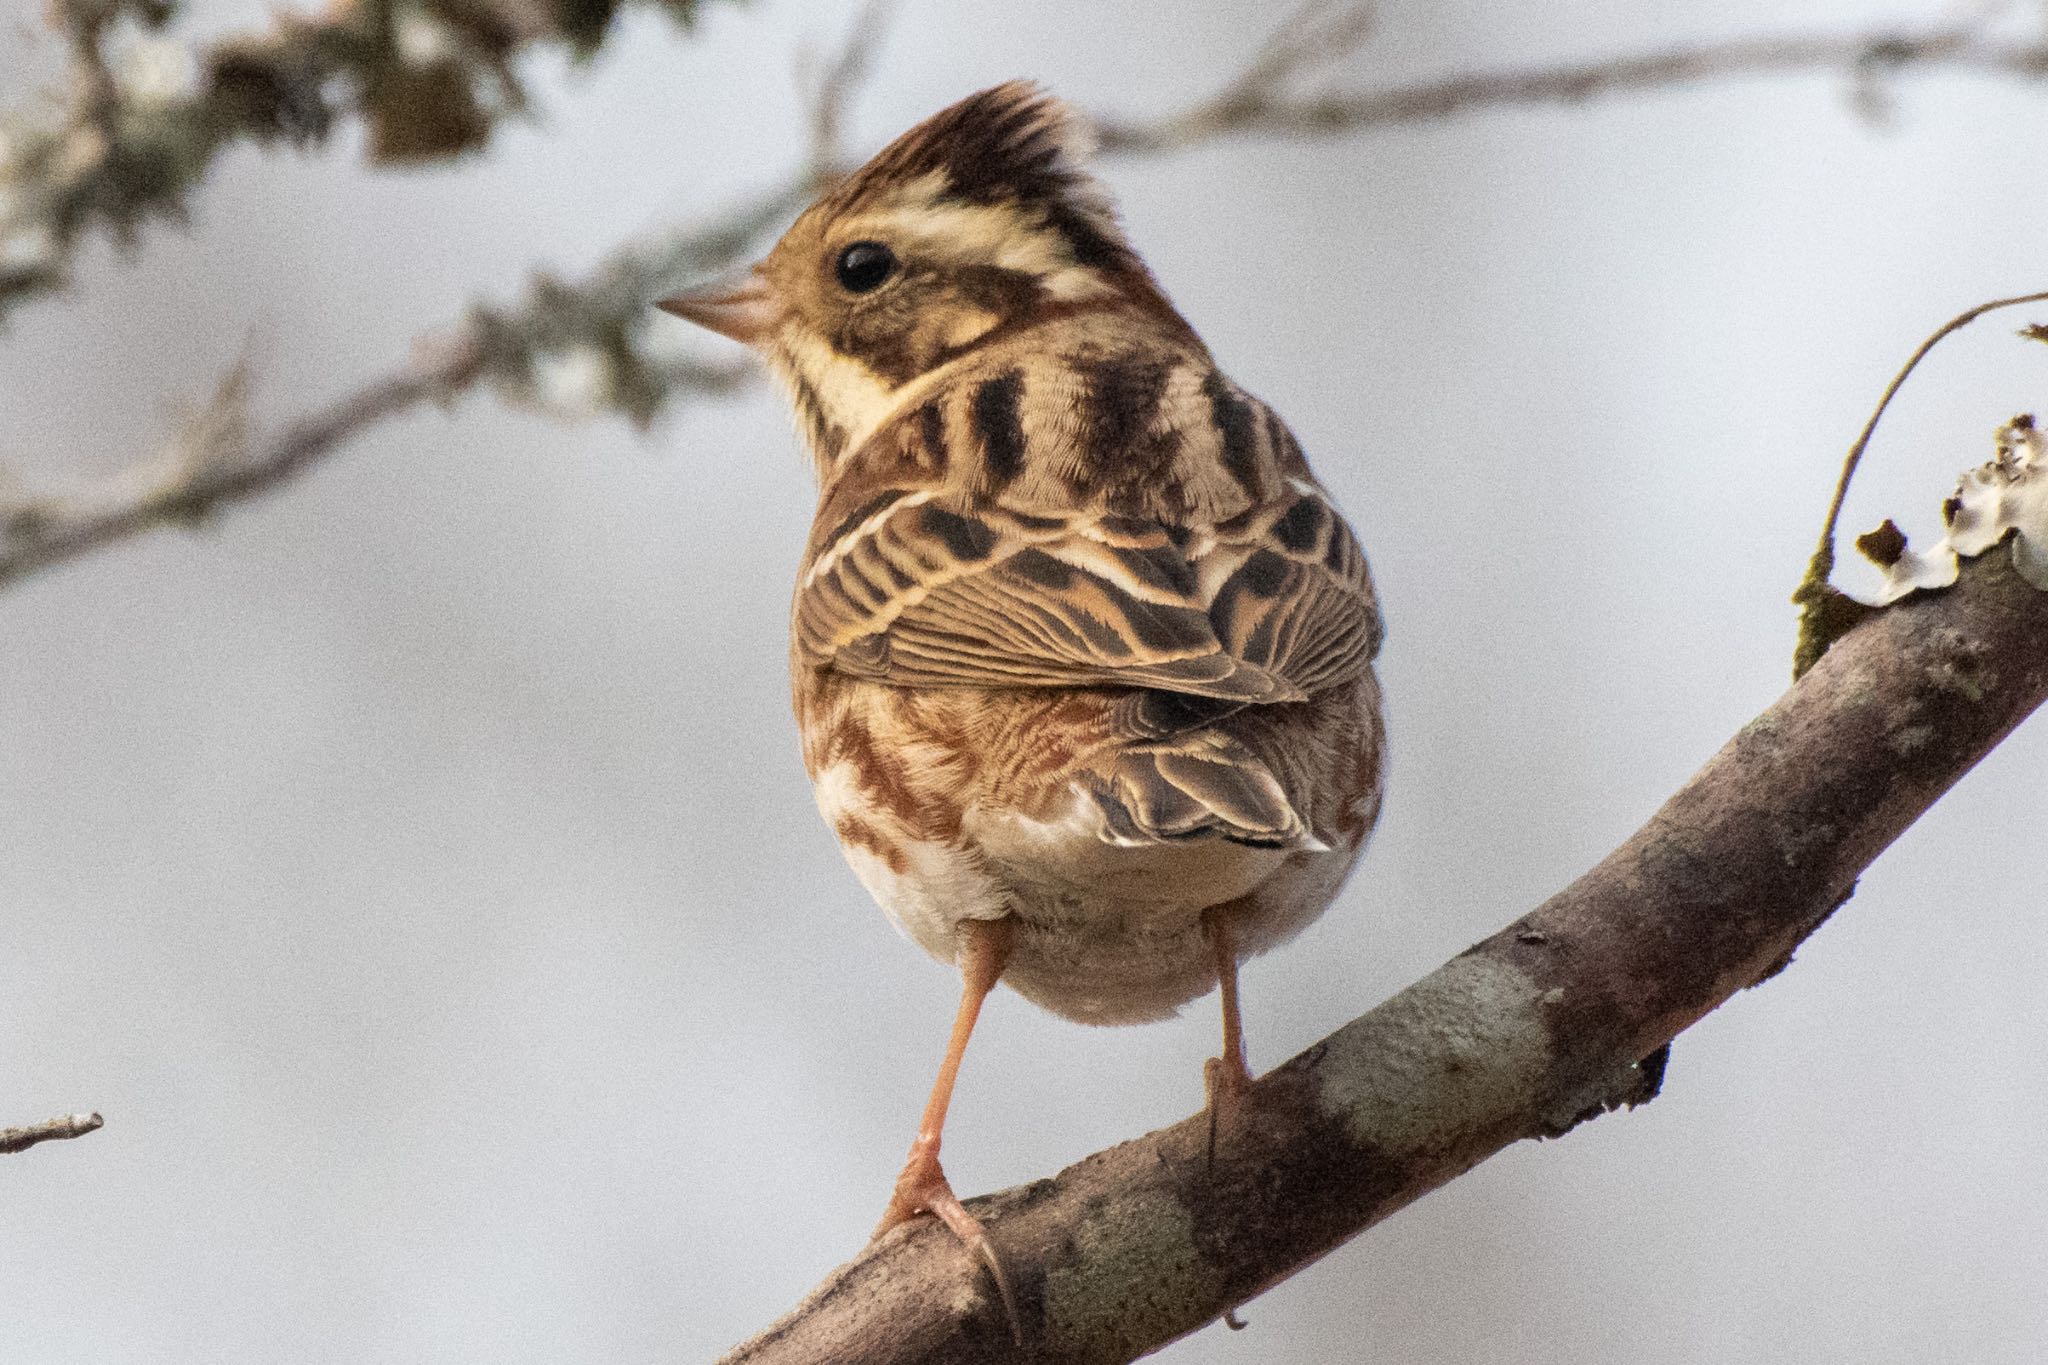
pixel 1227 1079
pixel 923 1187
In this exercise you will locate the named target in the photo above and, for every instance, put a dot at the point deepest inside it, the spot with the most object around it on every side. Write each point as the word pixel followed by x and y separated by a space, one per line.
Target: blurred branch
pixel 573 350
pixel 564 350
pixel 51 1130
pixel 1559 1017
pixel 1261 100
pixel 833 89
pixel 145 115
pixel 211 462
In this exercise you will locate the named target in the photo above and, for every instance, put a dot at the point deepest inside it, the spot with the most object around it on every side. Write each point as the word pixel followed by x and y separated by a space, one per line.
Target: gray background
pixel 417 869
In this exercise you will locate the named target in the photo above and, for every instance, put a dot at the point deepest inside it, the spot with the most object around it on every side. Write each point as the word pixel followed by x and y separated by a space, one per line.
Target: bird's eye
pixel 865 266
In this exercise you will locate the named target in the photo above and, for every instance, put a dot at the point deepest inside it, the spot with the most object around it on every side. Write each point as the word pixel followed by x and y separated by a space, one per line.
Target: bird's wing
pixel 937 591
pixel 917 587
pixel 1291 591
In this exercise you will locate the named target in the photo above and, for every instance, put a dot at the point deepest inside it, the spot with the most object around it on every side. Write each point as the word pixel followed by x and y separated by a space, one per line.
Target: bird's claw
pixel 923 1188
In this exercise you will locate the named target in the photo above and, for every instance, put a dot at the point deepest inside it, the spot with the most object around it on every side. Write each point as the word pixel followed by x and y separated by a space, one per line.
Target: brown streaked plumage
pixel 1081 651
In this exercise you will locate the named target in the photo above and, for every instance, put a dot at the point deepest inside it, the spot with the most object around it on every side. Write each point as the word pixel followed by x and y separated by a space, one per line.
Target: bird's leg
pixel 1227 1079
pixel 923 1187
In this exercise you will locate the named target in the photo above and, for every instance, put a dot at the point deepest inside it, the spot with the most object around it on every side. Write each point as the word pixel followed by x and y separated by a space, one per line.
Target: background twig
pixel 50 1130
pixel 832 89
pixel 145 117
pixel 1260 101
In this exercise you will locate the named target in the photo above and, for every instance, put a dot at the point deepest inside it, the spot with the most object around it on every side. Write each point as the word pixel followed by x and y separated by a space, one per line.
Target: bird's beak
pixel 743 307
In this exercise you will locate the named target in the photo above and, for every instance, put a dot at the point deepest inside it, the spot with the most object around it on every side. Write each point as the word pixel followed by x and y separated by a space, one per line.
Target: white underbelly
pixel 1107 933
pixel 1068 859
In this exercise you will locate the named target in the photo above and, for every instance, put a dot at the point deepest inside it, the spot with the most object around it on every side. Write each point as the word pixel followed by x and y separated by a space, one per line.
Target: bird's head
pixel 973 226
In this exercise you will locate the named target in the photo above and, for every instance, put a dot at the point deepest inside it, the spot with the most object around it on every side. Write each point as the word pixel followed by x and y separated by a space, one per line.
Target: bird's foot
pixel 923 1188
pixel 1229 1084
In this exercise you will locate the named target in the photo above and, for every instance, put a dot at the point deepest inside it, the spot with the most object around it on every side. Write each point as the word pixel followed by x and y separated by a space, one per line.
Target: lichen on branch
pixel 2003 501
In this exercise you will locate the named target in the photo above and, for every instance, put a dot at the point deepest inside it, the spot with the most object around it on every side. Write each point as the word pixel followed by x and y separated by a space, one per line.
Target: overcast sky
pixel 416 868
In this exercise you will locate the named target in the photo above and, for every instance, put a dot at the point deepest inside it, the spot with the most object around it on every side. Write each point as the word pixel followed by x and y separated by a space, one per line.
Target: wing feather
pixel 1295 596
pixel 935 586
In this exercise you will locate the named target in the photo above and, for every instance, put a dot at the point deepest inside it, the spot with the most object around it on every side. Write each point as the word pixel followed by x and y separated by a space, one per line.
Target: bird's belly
pixel 1066 859
pixel 1112 934
pixel 1106 934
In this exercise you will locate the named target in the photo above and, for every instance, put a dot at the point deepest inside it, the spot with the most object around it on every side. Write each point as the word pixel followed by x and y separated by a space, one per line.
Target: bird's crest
pixel 1011 145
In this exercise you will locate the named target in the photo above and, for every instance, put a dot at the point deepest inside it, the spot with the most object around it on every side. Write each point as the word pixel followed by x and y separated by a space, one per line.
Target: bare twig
pixel 1259 101
pixel 212 466
pixel 570 350
pixel 1319 34
pixel 833 91
pixel 51 1130
pixel 1557 1018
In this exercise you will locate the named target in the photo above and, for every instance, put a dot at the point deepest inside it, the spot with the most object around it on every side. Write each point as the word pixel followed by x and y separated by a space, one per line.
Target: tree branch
pixel 211 465
pixel 1523 1035
pixel 50 1130
pixel 1259 100
pixel 145 117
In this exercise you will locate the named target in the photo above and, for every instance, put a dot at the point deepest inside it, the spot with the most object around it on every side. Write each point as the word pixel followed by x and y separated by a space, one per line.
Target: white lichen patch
pixel 1134 1259
pixel 1910 739
pixel 423 40
pixel 2008 495
pixel 578 382
pixel 1449 1055
pixel 154 73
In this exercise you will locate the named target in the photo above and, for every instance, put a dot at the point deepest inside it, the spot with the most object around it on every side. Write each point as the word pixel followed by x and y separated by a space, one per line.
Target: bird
pixel 1081 650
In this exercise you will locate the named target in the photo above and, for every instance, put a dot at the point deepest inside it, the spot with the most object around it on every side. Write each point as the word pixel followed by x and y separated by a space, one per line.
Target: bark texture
pixel 1557 1017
